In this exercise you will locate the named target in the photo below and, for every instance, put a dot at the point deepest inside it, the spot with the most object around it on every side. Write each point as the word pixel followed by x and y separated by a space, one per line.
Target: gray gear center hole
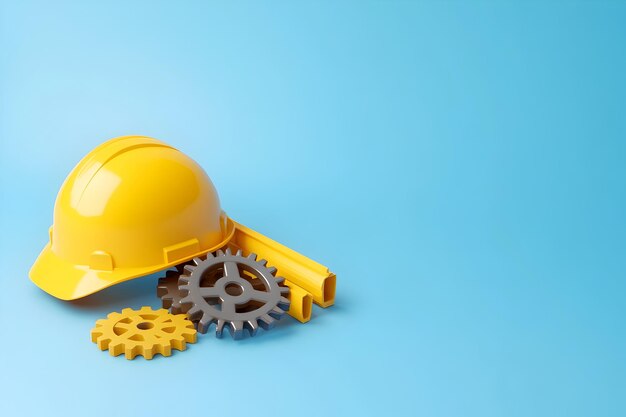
pixel 234 289
pixel 210 277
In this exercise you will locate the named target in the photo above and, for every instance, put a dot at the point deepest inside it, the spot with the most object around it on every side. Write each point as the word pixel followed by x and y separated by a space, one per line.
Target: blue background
pixel 461 167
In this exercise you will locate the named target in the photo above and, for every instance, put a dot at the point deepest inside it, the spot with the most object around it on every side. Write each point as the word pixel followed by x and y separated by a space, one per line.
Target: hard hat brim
pixel 67 281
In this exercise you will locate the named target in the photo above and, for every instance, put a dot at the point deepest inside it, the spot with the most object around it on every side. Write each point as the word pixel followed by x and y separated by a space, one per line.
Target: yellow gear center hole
pixel 234 289
pixel 145 325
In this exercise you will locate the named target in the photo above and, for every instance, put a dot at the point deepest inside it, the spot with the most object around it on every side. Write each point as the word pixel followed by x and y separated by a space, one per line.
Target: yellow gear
pixel 143 332
pixel 131 207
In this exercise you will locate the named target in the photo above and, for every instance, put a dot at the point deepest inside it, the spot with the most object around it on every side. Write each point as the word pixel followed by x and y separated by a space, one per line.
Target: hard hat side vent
pixel 101 261
pixel 182 250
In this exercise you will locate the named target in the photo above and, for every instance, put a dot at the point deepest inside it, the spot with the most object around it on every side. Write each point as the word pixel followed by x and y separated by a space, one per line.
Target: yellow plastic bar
pixel 301 303
pixel 314 278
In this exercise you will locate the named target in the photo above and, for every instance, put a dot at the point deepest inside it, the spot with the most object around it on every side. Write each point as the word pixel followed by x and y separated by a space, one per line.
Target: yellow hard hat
pixel 133 206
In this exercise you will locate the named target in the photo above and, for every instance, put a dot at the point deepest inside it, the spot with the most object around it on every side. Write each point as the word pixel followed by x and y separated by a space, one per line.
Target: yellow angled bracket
pixel 301 303
pixel 297 269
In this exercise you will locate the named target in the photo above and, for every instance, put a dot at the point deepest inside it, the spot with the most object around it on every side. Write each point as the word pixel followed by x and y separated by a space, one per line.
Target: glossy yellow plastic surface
pixel 297 269
pixel 131 207
pixel 301 303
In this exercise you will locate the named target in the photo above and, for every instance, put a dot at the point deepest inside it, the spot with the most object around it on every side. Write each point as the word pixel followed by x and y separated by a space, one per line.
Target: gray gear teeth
pixel 223 290
pixel 169 293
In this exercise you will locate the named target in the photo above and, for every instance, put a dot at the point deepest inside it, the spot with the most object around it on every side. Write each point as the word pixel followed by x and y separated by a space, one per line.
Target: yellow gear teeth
pixel 144 332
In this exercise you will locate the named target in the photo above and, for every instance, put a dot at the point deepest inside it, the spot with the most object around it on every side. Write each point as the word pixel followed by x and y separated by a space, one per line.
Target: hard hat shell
pixel 133 206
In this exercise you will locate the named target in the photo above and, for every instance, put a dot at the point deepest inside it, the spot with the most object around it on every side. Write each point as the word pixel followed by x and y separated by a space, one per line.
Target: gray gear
pixel 232 290
pixel 168 291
